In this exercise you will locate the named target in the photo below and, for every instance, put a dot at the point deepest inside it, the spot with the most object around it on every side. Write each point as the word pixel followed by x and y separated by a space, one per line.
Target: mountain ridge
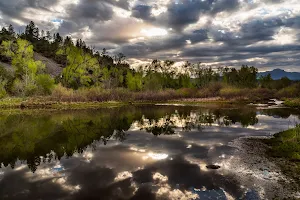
pixel 277 74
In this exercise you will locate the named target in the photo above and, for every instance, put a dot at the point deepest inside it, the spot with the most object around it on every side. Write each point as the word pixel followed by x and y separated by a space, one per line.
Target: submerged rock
pixel 213 167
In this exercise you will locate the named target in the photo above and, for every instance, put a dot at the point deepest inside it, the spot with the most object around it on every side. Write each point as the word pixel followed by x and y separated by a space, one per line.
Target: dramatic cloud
pixel 263 33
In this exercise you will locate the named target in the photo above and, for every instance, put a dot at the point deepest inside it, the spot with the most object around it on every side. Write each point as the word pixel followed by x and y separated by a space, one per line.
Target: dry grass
pixel 98 94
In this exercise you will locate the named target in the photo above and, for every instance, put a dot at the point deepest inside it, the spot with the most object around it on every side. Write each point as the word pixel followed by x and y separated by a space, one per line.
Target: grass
pixel 62 97
pixel 286 144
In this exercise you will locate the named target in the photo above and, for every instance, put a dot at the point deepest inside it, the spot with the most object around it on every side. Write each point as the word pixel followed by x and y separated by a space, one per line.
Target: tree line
pixel 84 67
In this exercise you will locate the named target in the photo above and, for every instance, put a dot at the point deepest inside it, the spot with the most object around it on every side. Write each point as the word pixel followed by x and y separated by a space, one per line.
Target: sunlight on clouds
pixel 121 12
pixel 17 21
pixel 158 10
pixel 156 156
pixel 154 32
pixel 285 36
pixel 88 156
pixel 188 42
pixel 159 177
pixel 123 175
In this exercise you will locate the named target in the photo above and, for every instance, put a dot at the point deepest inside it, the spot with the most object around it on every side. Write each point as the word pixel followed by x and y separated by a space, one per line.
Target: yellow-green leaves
pixel 25 67
pixel 80 68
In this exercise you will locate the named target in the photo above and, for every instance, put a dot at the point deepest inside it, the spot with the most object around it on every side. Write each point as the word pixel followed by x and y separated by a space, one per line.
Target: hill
pixel 52 67
pixel 277 74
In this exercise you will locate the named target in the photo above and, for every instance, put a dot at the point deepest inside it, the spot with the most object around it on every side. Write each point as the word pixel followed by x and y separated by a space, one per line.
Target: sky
pixel 260 33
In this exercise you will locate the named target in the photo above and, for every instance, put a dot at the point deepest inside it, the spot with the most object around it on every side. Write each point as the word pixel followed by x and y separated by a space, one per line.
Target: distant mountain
pixel 279 73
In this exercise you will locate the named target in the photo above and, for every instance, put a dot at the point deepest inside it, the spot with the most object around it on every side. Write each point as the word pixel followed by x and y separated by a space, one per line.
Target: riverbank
pixel 48 103
pixel 271 162
pixel 293 103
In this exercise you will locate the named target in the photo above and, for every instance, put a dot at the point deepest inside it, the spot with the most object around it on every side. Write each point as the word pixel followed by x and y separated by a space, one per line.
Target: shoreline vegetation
pixel 286 145
pixel 42 69
pixel 63 98
pixel 276 159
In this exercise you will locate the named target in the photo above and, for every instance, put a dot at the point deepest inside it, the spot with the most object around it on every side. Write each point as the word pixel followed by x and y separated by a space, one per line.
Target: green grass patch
pixel 286 144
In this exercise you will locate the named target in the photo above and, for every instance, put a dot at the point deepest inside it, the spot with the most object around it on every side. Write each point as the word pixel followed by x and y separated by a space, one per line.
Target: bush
pixel 18 88
pixel 6 77
pixel 258 94
pixel 45 84
pixel 61 93
pixel 232 93
pixel 212 90
pixel 289 92
pixel 185 93
pixel 295 102
pixel 2 89
pixel 30 89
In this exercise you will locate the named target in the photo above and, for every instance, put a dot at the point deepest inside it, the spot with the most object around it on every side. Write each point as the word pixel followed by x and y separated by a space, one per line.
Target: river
pixel 132 152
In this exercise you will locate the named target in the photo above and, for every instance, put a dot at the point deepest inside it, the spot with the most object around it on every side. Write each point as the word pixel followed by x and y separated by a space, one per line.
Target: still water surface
pixel 136 152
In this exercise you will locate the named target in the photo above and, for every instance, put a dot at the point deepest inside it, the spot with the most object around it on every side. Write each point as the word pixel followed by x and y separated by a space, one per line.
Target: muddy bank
pixel 255 167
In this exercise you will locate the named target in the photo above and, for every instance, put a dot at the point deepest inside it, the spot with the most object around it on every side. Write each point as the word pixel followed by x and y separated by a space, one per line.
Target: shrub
pixel 289 92
pixel 295 102
pixel 232 92
pixel 30 89
pixel 2 89
pixel 18 88
pixel 185 93
pixel 61 93
pixel 258 94
pixel 212 90
pixel 45 83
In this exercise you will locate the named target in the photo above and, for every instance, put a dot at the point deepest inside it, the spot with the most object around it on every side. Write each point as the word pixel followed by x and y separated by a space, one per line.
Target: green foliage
pixel 134 81
pixel 2 88
pixel 292 91
pixel 7 34
pixel 45 83
pixel 205 76
pixel 245 77
pixel 233 92
pixel 184 81
pixel 153 81
pixel 26 68
pixel 295 102
pixel 80 67
pixel 286 144
pixel 266 81
pixel 6 80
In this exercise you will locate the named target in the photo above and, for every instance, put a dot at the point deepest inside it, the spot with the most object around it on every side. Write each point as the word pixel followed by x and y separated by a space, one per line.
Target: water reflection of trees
pixel 42 138
pixel 281 112
pixel 35 139
pixel 197 120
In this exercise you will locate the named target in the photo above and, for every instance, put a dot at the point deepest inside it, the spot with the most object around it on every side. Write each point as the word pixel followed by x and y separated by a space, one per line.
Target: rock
pixel 213 167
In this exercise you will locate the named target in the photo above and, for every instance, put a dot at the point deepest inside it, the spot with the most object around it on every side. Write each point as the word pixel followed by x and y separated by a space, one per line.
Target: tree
pixel 26 68
pixel 68 41
pixel 31 32
pixel 266 81
pixel 134 81
pixel 7 34
pixel 11 31
pixel 80 67
pixel 48 36
pixel 119 58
